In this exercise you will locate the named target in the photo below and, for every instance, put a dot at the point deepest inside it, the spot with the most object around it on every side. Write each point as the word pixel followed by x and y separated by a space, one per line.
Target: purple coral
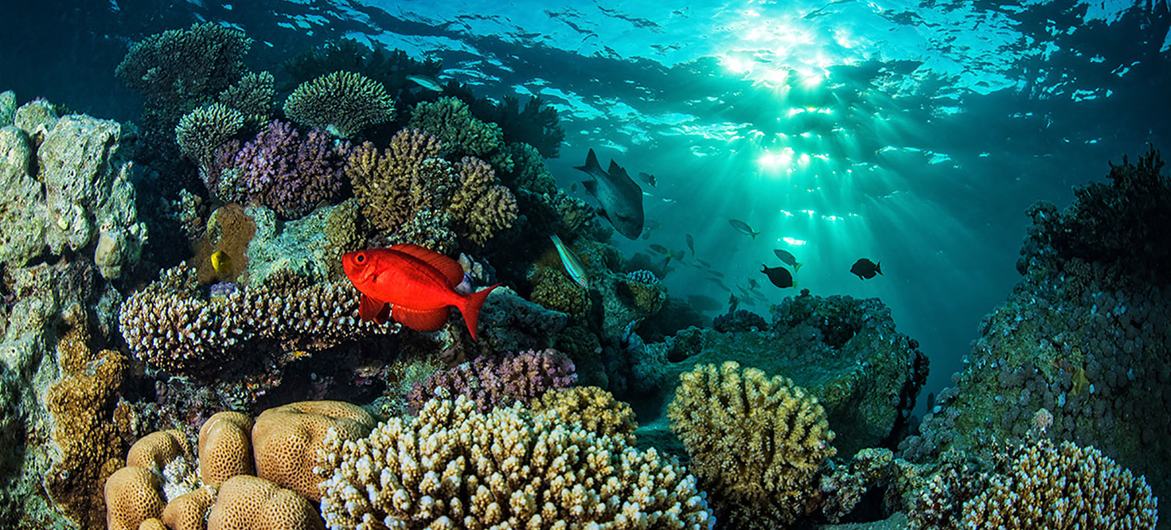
pixel 281 168
pixel 492 380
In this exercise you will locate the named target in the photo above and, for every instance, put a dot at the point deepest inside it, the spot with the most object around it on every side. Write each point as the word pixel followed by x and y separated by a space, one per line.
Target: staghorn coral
pixel 1063 486
pixel 172 326
pixel 341 103
pixel 452 466
pixel 280 168
pixel 203 130
pixel 286 439
pixel 450 120
pixel 89 441
pixel 756 442
pixel 409 177
pixel 492 380
pixel 593 408
pixel 252 96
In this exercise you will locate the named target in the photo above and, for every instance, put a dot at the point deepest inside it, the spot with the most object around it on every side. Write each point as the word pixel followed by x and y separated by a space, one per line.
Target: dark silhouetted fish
pixel 780 276
pixel 648 178
pixel 691 244
pixel 619 196
pixel 788 258
pixel 743 227
pixel 866 269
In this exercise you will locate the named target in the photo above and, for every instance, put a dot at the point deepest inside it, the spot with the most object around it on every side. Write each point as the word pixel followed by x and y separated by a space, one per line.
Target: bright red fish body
pixel 412 285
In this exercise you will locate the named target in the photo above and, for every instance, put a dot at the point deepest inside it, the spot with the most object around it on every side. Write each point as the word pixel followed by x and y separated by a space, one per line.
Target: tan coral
pixel 756 442
pixel 480 203
pixel 591 407
pixel 157 449
pixel 152 524
pixel 133 495
pixel 190 510
pixel 252 503
pixel 225 447
pixel 285 440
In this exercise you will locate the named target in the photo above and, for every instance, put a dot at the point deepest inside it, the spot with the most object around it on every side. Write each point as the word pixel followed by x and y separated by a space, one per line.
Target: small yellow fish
pixel 220 262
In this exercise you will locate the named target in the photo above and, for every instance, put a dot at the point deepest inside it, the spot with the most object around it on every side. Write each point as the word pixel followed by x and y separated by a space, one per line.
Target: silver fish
pixel 619 196
pixel 743 227
pixel 573 265
pixel 788 258
pixel 426 81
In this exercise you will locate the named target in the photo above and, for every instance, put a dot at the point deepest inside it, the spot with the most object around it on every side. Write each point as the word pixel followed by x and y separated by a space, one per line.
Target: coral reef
pixel 492 380
pixel 593 408
pixel 341 103
pixel 229 231
pixel 450 120
pixel 284 440
pixel 1083 335
pixel 756 443
pixel 202 131
pixel 280 168
pixel 251 96
pixel 454 466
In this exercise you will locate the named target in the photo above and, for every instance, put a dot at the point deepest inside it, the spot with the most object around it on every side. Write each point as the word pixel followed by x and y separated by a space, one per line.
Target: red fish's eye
pixel 360 258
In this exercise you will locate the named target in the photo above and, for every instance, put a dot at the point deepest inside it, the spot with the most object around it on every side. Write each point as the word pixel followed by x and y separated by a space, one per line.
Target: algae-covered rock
pixel 843 350
pixel 22 231
pixel 35 118
pixel 7 107
pixel 301 247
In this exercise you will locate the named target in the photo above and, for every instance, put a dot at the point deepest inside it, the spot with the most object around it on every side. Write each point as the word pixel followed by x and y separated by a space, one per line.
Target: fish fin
pixel 878 267
pixel 449 268
pixel 590 163
pixel 602 212
pixel 420 320
pixel 796 267
pixel 615 169
pixel 754 234
pixel 372 309
pixel 470 308
pixel 794 283
pixel 591 187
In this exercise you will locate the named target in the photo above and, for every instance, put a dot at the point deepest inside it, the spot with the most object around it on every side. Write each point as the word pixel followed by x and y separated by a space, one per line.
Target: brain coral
pixel 1062 487
pixel 285 440
pixel 342 103
pixel 756 442
pixel 252 503
pixel 454 467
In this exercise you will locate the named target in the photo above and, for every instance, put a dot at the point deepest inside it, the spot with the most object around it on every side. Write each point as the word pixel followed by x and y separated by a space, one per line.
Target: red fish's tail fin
pixel 470 308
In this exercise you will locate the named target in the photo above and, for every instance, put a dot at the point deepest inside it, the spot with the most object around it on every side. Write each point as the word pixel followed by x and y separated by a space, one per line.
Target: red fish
pixel 419 283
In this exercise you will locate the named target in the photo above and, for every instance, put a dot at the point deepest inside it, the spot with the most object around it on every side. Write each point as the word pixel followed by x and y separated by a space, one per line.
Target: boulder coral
pixel 452 466
pixel 284 440
pixel 757 443
pixel 341 103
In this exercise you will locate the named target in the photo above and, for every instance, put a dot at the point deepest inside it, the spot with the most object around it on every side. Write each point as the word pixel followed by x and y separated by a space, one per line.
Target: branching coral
pixel 342 103
pixel 591 407
pixel 480 205
pixel 172 326
pixel 756 442
pixel 455 467
pixel 1063 486
pixel 203 130
pixel 462 134
pixel 281 168
pixel 252 96
pixel 492 380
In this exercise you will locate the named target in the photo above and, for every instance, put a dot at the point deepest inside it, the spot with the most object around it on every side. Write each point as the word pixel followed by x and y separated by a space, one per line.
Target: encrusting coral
pixel 454 467
pixel 491 380
pixel 341 103
pixel 229 231
pixel 756 442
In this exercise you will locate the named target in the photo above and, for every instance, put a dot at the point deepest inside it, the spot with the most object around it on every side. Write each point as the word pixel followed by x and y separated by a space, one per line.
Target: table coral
pixel 491 380
pixel 252 96
pixel 203 130
pixel 342 103
pixel 756 442
pixel 452 466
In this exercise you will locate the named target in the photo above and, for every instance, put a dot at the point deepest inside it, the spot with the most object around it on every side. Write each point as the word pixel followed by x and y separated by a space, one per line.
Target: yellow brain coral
pixel 285 440
pixel 252 503
pixel 755 442
pixel 133 495
pixel 225 447
pixel 454 467
pixel 591 407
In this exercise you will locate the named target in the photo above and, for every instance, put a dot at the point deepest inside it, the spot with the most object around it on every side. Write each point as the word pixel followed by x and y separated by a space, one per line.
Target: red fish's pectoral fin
pixel 420 320
pixel 371 309
pixel 450 268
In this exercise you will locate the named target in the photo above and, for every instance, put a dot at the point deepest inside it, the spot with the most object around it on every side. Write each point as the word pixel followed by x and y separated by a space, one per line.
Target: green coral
pixel 553 289
pixel 253 96
pixel 756 442
pixel 203 130
pixel 341 103
pixel 452 122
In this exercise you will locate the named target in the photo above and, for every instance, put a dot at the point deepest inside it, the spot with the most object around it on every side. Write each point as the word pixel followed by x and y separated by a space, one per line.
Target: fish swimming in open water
pixel 573 265
pixel 788 258
pixel 780 276
pixel 865 269
pixel 743 227
pixel 619 196
pixel 648 178
pixel 418 283
pixel 426 81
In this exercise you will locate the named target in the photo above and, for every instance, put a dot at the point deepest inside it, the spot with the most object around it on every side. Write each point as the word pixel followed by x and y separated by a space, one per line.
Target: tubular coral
pixel 281 169
pixel 342 103
pixel 454 467
pixel 491 380
pixel 757 442
pixel 1062 487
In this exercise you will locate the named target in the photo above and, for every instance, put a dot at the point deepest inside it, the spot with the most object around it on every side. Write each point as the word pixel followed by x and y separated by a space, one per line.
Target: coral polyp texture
pixel 756 443
pixel 452 466
pixel 282 168
pixel 342 103
pixel 252 96
pixel 175 327
pixel 462 134
pixel 202 131
pixel 593 408
pixel 1062 486
pixel 491 380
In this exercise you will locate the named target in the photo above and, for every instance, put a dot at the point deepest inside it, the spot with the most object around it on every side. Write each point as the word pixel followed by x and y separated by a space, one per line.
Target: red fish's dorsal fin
pixel 428 320
pixel 371 309
pixel 446 266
